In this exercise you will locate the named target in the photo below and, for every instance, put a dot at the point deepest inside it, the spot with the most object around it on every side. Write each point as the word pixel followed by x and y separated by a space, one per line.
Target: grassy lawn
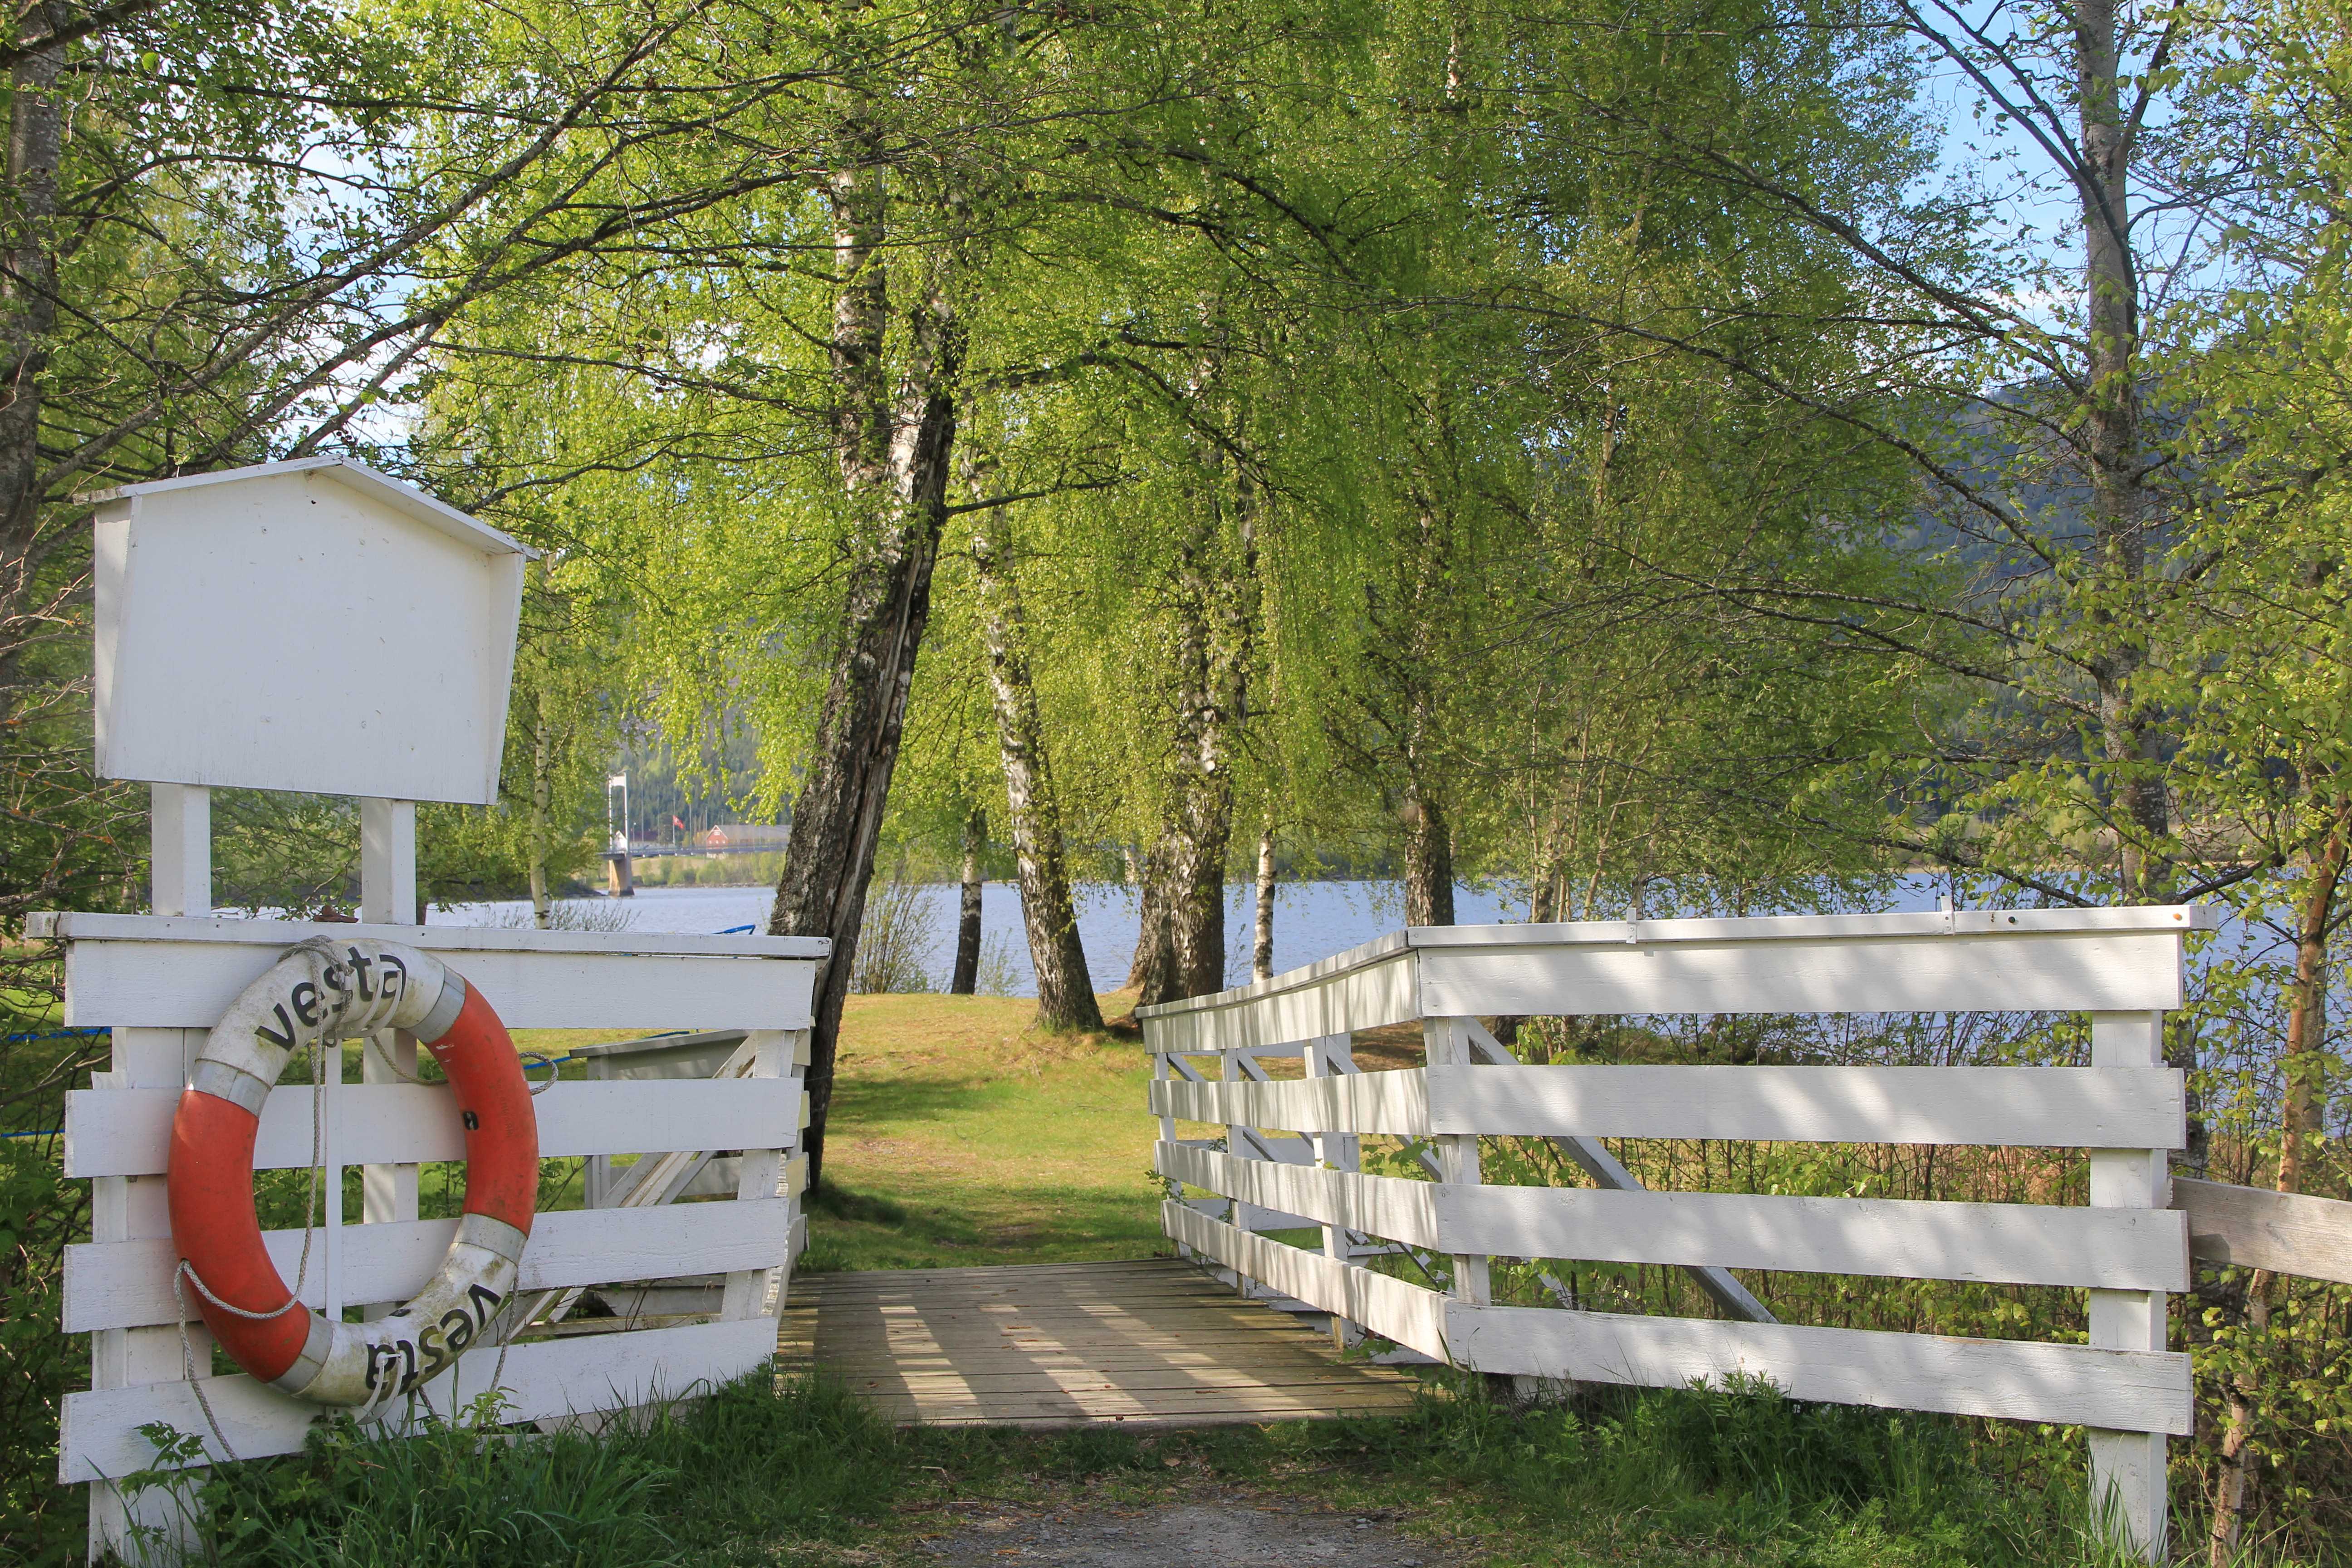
pixel 960 1135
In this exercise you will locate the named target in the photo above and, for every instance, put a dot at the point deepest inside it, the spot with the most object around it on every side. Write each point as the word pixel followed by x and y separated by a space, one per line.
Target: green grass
pixel 961 1135
pixel 762 1473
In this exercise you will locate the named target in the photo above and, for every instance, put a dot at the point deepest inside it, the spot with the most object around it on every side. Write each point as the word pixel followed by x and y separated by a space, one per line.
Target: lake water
pixel 1311 920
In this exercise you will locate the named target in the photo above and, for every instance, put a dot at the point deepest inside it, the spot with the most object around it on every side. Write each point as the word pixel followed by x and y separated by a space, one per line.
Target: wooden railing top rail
pixel 81 926
pixel 2113 960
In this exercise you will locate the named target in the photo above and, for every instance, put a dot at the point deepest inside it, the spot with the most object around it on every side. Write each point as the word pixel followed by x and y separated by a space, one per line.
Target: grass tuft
pixel 797 1470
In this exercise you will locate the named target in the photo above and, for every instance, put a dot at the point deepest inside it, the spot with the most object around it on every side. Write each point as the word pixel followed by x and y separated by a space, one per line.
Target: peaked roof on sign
pixel 404 498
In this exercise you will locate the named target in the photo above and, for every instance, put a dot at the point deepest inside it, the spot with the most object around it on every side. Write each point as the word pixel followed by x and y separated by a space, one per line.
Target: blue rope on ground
pixel 736 931
pixel 55 1034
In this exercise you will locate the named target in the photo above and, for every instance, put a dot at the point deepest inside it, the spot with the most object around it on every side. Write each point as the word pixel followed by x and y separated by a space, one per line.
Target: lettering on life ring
pixel 318 993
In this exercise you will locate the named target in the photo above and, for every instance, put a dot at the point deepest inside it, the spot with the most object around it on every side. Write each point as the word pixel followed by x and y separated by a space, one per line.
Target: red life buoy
pixel 322 992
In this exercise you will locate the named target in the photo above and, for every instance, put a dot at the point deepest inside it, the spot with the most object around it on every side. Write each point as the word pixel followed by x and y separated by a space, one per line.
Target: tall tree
pixel 1065 992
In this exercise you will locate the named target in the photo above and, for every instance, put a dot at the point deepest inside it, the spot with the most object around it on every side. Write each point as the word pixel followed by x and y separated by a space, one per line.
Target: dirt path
pixel 1235 1533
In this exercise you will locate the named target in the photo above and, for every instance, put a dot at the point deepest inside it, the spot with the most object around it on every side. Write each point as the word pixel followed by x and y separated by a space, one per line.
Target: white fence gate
pixel 161 982
pixel 1289 1156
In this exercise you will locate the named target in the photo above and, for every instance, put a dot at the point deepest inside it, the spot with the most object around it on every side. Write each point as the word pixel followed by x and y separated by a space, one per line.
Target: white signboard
pixel 309 625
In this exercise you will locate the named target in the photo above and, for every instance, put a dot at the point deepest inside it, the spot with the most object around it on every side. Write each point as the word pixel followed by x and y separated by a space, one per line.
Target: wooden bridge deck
pixel 1149 1344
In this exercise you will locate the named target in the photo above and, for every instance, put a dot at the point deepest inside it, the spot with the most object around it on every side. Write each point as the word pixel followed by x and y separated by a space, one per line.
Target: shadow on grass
pixel 853 1230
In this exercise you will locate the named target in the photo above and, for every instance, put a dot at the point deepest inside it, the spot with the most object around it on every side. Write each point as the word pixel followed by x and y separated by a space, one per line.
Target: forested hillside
pixel 1685 455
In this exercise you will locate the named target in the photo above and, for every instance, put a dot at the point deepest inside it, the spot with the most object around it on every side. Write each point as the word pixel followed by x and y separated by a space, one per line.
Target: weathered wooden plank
pixel 128 1132
pixel 1103 1361
pixel 127 1284
pixel 2106 1107
pixel 182 972
pixel 2253 1227
pixel 1055 1347
pixel 2067 1384
pixel 1071 1379
pixel 1125 1410
pixel 1390 1308
pixel 1377 1206
pixel 547 1380
pixel 2021 1244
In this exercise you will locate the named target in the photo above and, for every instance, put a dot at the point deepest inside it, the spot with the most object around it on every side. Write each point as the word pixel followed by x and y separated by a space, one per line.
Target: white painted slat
pixel 128 1284
pixel 1343 993
pixel 1377 1206
pixel 189 983
pixel 1592 1157
pixel 1941 961
pixel 2021 1244
pixel 2067 1384
pixel 2171 918
pixel 547 1380
pixel 2029 1106
pixel 2078 971
pixel 1406 1313
pixel 81 926
pixel 1394 1102
pixel 128 1132
pixel 2251 1227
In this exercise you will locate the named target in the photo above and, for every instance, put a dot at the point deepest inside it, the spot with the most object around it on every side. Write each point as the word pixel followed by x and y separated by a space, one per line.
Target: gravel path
pixel 1236 1534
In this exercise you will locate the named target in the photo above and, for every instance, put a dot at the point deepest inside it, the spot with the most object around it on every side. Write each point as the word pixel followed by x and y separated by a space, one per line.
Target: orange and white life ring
pixel 321 991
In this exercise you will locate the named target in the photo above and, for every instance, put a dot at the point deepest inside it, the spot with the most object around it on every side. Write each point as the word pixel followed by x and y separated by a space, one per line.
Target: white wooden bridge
pixel 1193 1341
pixel 1289 1158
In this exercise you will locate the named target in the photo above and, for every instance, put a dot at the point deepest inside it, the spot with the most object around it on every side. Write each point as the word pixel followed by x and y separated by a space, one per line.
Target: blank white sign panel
pixel 295 631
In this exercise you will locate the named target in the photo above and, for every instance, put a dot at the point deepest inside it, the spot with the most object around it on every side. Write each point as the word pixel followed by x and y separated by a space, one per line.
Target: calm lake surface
pixel 1311 920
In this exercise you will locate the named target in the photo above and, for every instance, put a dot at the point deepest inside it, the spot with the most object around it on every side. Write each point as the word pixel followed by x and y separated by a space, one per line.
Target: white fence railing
pixel 160 982
pixel 1289 1156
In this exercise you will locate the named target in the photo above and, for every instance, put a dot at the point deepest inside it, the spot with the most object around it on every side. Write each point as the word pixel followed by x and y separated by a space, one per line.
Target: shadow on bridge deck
pixel 1149 1343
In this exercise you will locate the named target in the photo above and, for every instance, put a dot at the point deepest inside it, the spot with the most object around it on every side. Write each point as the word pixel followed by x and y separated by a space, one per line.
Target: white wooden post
pixel 2127 1483
pixel 1160 1074
pixel 387 896
pixel 1445 1042
pixel 1335 1152
pixel 766 1173
pixel 1229 1070
pixel 133 1208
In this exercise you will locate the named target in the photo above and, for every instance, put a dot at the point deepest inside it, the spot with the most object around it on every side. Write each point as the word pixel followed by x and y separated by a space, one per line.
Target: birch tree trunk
pixel 892 447
pixel 1151 974
pixel 966 978
pixel 543 768
pixel 1214 601
pixel 1066 992
pixel 2304 1065
pixel 1428 861
pixel 1262 950
pixel 28 314
pixel 2112 446
pixel 1428 836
